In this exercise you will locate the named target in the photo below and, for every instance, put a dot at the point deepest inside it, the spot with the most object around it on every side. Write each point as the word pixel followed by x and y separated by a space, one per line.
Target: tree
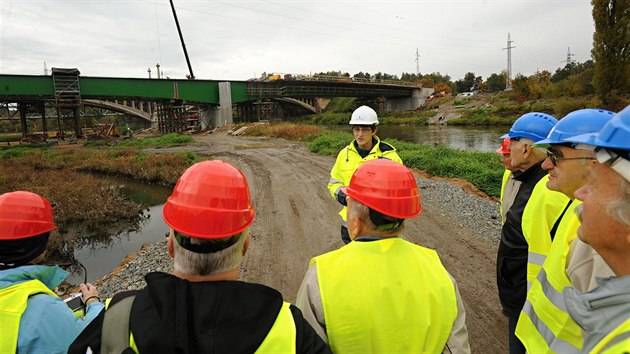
pixel 496 82
pixel 468 83
pixel 611 49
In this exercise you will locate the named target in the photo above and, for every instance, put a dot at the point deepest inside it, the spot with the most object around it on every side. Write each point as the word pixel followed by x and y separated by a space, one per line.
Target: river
pixel 465 138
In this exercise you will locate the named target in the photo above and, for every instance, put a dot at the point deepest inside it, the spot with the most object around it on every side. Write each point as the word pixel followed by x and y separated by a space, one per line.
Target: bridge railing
pixel 338 79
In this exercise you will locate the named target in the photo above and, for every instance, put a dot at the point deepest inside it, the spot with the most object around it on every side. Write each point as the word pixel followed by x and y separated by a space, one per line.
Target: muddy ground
pixel 297 219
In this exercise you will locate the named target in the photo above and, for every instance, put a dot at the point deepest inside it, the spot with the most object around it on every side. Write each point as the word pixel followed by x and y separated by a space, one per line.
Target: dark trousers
pixel 345 236
pixel 516 347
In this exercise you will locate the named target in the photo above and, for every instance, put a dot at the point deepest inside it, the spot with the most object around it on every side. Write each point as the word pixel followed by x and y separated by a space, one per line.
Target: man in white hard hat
pixel 366 146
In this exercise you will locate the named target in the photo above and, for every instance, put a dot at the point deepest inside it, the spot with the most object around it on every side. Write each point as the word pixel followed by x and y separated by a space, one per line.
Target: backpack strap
pixel 115 335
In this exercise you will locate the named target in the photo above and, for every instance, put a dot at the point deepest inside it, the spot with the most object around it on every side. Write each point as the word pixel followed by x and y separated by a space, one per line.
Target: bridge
pixel 169 103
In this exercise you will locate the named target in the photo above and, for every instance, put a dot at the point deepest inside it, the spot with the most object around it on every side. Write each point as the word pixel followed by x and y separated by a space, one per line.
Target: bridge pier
pixel 218 116
pixel 417 99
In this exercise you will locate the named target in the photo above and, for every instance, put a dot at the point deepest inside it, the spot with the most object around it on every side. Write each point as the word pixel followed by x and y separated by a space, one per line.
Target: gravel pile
pixel 475 213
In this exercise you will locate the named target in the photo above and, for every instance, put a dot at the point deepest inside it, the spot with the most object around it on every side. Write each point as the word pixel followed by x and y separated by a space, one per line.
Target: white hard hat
pixel 364 115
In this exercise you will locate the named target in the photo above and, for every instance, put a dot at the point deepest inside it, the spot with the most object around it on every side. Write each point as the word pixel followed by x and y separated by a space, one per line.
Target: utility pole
pixel 158 70
pixel 149 70
pixel 508 79
pixel 417 64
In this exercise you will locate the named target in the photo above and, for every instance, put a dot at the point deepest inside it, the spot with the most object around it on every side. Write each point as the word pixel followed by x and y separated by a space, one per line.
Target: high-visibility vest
pixel 348 160
pixel 617 341
pixel 544 325
pixel 506 177
pixel 13 301
pixel 388 295
pixel 280 339
pixel 539 217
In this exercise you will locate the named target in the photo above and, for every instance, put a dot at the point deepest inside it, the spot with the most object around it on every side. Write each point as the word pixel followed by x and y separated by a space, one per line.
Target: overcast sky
pixel 235 40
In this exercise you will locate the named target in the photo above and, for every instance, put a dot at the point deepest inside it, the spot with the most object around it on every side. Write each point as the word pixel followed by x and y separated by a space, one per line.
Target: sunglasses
pixel 554 158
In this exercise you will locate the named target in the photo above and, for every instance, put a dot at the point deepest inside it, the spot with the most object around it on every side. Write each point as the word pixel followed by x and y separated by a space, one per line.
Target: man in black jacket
pixel 201 307
pixel 530 220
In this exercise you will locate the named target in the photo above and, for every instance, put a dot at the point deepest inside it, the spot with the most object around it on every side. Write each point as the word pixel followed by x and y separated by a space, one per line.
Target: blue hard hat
pixel 533 125
pixel 578 122
pixel 615 134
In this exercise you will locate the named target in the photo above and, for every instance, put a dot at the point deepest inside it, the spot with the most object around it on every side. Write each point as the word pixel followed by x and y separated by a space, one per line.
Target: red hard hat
pixel 210 200
pixel 24 214
pixel 387 187
pixel 504 149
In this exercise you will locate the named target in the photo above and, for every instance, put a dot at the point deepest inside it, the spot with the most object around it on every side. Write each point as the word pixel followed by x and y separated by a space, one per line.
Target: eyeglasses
pixel 362 129
pixel 554 158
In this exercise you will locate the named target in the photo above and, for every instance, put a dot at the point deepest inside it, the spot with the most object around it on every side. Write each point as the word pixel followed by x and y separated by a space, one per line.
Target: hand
pixel 89 292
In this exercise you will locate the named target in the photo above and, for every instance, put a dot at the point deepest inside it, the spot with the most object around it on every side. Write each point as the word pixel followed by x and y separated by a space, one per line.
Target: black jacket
pixel 172 315
pixel 512 254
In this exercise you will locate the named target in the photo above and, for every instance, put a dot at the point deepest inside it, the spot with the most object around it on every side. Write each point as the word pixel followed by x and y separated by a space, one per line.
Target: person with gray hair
pixel 201 307
pixel 530 222
pixel 604 312
pixel 381 293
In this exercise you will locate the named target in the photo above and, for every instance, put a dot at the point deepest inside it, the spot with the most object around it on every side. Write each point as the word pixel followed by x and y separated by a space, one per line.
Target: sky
pixel 239 40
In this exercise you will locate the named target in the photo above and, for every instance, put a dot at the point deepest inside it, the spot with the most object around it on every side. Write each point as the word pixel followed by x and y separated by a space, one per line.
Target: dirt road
pixel 297 219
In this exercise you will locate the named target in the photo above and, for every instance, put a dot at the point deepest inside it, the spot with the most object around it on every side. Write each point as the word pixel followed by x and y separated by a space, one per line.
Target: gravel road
pixel 297 219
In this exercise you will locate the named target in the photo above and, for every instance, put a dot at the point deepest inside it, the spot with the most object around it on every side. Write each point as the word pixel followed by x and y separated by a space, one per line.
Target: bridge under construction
pixel 174 105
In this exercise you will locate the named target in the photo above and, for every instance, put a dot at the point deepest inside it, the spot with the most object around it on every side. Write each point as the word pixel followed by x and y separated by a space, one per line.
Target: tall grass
pixel 482 169
pixel 168 140
pixel 289 131
pixel 59 175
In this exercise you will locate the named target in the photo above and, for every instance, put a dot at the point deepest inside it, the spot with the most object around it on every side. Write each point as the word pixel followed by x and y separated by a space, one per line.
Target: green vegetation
pixel 611 45
pixel 168 140
pixel 59 175
pixel 10 137
pixel 289 131
pixel 482 169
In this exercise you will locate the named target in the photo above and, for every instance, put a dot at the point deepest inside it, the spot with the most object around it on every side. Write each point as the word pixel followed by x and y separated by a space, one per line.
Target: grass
pixel 289 131
pixel 10 137
pixel 60 176
pixel 168 140
pixel 482 169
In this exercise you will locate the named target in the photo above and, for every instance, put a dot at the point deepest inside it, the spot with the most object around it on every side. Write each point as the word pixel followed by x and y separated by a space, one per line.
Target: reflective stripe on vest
pixel 13 301
pixel 539 217
pixel 617 341
pixel 544 325
pixel 388 295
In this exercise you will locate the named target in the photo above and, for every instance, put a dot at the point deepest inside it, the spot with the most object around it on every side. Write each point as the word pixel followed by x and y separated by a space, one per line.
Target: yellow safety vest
pixel 617 341
pixel 540 215
pixel 544 325
pixel 280 339
pixel 348 161
pixel 388 295
pixel 13 301
pixel 506 177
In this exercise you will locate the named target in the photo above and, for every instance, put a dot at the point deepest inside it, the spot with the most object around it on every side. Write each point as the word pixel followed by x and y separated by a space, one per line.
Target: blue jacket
pixel 47 324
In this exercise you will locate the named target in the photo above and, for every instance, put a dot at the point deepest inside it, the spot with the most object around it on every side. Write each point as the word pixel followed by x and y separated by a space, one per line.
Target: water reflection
pixel 465 138
pixel 102 251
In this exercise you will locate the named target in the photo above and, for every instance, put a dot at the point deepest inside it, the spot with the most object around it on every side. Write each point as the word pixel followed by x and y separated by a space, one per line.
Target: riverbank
pixel 483 170
pixel 297 220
